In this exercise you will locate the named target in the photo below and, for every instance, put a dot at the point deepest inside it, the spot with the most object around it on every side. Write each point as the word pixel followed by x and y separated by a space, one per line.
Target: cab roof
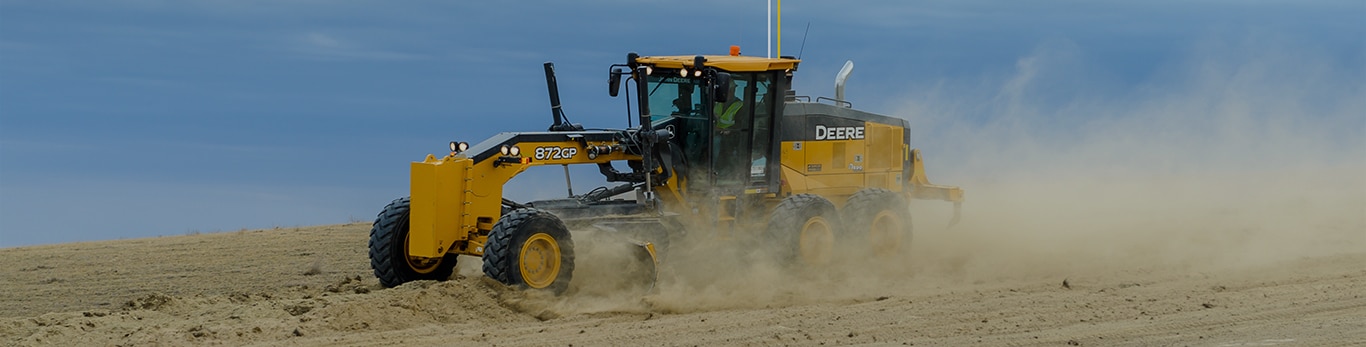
pixel 731 63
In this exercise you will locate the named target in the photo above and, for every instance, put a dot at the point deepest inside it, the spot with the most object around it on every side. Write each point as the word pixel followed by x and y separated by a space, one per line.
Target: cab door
pixel 742 134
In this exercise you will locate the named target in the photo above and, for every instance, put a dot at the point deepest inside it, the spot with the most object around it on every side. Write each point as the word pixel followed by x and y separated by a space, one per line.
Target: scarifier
pixel 723 148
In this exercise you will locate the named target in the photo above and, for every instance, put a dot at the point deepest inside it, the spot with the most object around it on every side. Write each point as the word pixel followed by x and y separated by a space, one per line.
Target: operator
pixel 683 104
pixel 731 140
pixel 725 111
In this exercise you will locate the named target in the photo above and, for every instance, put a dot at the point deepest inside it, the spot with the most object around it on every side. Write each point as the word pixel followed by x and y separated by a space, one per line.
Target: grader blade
pixel 618 258
pixel 644 267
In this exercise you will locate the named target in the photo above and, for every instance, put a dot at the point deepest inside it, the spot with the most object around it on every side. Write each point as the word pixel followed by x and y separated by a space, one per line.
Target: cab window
pixel 673 96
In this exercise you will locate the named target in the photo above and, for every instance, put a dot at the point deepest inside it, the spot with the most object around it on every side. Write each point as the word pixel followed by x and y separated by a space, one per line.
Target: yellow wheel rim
pixel 885 234
pixel 817 242
pixel 539 260
pixel 419 264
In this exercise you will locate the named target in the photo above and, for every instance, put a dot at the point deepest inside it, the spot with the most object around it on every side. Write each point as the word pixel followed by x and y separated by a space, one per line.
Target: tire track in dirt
pixel 1224 312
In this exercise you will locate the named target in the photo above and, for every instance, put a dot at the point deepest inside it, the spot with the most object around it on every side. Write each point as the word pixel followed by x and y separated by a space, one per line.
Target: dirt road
pixel 1272 267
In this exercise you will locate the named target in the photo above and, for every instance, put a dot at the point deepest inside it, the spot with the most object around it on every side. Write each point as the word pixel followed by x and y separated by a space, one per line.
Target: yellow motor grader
pixel 723 147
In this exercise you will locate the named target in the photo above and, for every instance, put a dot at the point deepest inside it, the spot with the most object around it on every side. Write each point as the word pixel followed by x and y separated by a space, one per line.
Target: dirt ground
pixel 1161 261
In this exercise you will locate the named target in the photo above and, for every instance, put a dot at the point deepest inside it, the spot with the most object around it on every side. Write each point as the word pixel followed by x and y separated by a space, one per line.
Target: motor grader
pixel 723 147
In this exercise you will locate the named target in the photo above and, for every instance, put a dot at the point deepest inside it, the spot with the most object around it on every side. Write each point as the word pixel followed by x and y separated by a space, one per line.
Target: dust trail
pixel 1247 152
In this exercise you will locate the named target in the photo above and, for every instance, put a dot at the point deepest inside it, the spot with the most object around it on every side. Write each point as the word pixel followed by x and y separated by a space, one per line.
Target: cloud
pixel 323 41
pixel 323 46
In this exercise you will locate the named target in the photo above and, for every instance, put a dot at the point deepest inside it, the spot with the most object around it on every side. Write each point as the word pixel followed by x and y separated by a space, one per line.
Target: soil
pixel 1159 261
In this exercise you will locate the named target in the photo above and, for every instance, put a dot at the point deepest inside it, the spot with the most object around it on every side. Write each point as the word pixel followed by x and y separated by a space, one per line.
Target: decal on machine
pixel 838 132
pixel 552 153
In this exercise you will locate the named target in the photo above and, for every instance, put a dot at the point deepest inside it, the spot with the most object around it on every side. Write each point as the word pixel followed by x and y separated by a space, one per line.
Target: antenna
pixel 780 28
pixel 803 49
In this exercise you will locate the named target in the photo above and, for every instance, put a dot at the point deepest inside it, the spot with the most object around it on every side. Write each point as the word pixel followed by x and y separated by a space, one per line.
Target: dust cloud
pixel 1243 153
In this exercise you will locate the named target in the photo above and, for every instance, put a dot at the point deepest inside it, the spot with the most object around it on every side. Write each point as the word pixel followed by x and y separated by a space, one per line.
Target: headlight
pixel 504 150
pixel 515 151
pixel 457 147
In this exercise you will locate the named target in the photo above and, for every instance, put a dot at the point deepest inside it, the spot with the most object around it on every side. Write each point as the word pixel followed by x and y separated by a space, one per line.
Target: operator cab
pixel 728 145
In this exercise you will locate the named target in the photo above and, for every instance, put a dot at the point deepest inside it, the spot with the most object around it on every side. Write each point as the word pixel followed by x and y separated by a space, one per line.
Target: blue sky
pixel 136 118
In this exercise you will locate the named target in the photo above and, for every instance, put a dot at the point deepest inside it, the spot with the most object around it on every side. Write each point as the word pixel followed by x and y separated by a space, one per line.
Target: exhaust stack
pixel 561 122
pixel 841 77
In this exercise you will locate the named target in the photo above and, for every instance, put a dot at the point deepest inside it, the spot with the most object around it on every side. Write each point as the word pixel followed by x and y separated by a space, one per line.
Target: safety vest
pixel 725 113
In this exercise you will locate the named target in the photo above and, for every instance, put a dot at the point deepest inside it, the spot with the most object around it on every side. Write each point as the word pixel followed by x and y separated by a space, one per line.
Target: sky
pixel 139 118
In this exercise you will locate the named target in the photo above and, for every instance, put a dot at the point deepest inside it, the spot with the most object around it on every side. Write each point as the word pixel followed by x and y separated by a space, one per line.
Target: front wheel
pixel 389 250
pixel 530 248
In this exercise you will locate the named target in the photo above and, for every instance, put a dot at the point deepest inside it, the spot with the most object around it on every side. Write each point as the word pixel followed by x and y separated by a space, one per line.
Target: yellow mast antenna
pixel 780 28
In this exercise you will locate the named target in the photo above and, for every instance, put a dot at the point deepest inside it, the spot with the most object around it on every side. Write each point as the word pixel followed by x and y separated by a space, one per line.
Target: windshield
pixel 673 96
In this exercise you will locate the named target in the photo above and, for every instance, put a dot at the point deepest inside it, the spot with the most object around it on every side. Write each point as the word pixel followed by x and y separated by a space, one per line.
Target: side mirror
pixel 720 87
pixel 614 82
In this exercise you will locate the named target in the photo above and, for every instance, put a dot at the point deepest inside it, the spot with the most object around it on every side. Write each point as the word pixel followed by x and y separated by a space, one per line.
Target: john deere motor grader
pixel 723 147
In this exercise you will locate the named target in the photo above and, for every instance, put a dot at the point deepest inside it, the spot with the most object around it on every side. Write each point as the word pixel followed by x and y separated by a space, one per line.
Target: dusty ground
pixel 1156 262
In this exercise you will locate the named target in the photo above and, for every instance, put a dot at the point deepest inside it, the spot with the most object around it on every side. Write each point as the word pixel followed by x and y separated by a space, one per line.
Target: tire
pixel 389 253
pixel 530 249
pixel 806 230
pixel 880 220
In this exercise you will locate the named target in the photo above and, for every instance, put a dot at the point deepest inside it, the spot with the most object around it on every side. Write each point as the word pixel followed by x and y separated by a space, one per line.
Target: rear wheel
pixel 530 248
pixel 806 229
pixel 389 250
pixel 881 219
